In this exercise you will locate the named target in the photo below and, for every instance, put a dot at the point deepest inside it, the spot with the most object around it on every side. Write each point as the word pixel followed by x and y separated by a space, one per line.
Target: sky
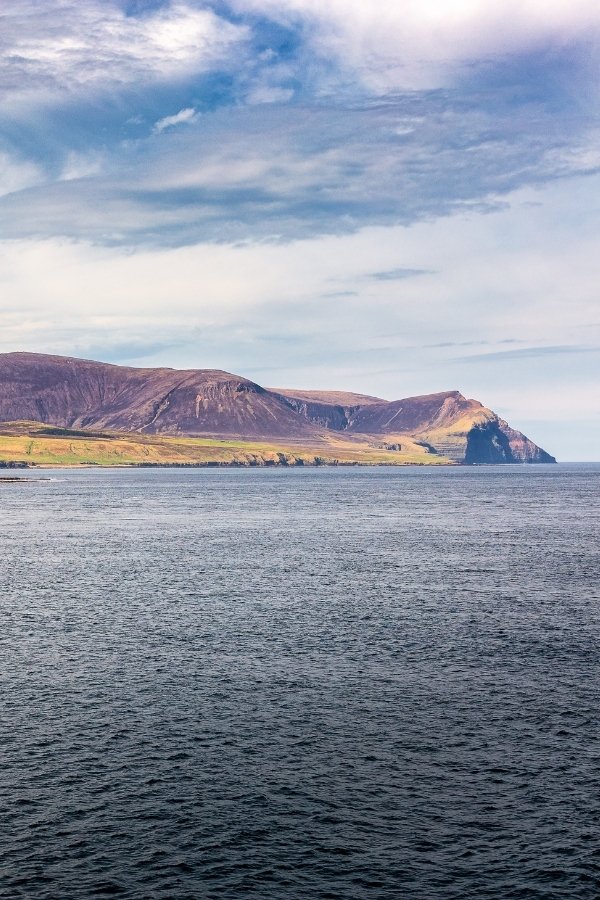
pixel 393 197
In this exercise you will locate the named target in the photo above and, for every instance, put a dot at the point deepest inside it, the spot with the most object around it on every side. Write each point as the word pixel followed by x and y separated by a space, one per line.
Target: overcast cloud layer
pixel 393 198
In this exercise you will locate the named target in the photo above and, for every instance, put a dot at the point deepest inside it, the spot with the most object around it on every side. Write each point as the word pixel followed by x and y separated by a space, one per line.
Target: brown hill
pixel 74 393
pixel 77 393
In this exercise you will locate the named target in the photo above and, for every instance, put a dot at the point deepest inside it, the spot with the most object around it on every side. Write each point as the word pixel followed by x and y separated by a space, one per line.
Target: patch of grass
pixel 31 442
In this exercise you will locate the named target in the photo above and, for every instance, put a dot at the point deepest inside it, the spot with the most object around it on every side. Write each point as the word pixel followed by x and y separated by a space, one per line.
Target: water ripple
pixel 305 684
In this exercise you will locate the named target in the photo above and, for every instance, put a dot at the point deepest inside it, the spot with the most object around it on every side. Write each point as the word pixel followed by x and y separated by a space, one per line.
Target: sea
pixel 301 683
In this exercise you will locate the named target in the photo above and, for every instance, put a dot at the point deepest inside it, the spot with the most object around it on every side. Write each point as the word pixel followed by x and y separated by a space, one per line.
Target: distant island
pixel 58 410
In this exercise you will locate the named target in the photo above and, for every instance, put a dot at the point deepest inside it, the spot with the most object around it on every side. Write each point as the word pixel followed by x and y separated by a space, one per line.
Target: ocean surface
pixel 318 683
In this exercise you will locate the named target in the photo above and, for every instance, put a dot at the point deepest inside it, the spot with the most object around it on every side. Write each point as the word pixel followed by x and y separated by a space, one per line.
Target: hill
pixel 100 399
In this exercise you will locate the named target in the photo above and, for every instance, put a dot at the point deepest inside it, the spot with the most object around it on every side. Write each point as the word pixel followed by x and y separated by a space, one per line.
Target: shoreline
pixel 35 467
pixel 230 465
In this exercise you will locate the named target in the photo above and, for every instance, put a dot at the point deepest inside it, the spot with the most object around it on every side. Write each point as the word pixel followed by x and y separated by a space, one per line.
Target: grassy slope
pixel 27 442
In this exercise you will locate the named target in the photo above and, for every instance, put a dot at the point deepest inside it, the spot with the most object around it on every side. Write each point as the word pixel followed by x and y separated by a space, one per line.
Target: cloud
pixel 295 171
pixel 66 47
pixel 82 165
pixel 398 274
pixel 529 353
pixel 424 44
pixel 94 94
pixel 269 94
pixel 17 175
pixel 183 117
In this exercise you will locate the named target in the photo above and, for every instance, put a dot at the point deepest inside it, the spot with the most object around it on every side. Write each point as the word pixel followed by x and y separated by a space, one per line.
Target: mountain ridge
pixel 68 392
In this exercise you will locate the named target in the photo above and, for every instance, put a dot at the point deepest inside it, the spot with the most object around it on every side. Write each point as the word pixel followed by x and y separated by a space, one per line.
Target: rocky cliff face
pixel 521 448
pixel 75 393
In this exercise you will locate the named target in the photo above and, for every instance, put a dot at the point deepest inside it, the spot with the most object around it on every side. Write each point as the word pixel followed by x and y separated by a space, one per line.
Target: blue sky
pixel 394 198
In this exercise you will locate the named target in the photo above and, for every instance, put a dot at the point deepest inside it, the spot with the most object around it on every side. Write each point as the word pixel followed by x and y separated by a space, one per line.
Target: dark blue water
pixel 301 684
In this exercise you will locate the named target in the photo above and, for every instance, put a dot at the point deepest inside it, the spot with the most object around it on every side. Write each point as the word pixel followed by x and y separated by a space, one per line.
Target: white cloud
pixel 183 117
pixel 269 94
pixel 81 165
pixel 422 43
pixel 65 46
pixel 15 175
